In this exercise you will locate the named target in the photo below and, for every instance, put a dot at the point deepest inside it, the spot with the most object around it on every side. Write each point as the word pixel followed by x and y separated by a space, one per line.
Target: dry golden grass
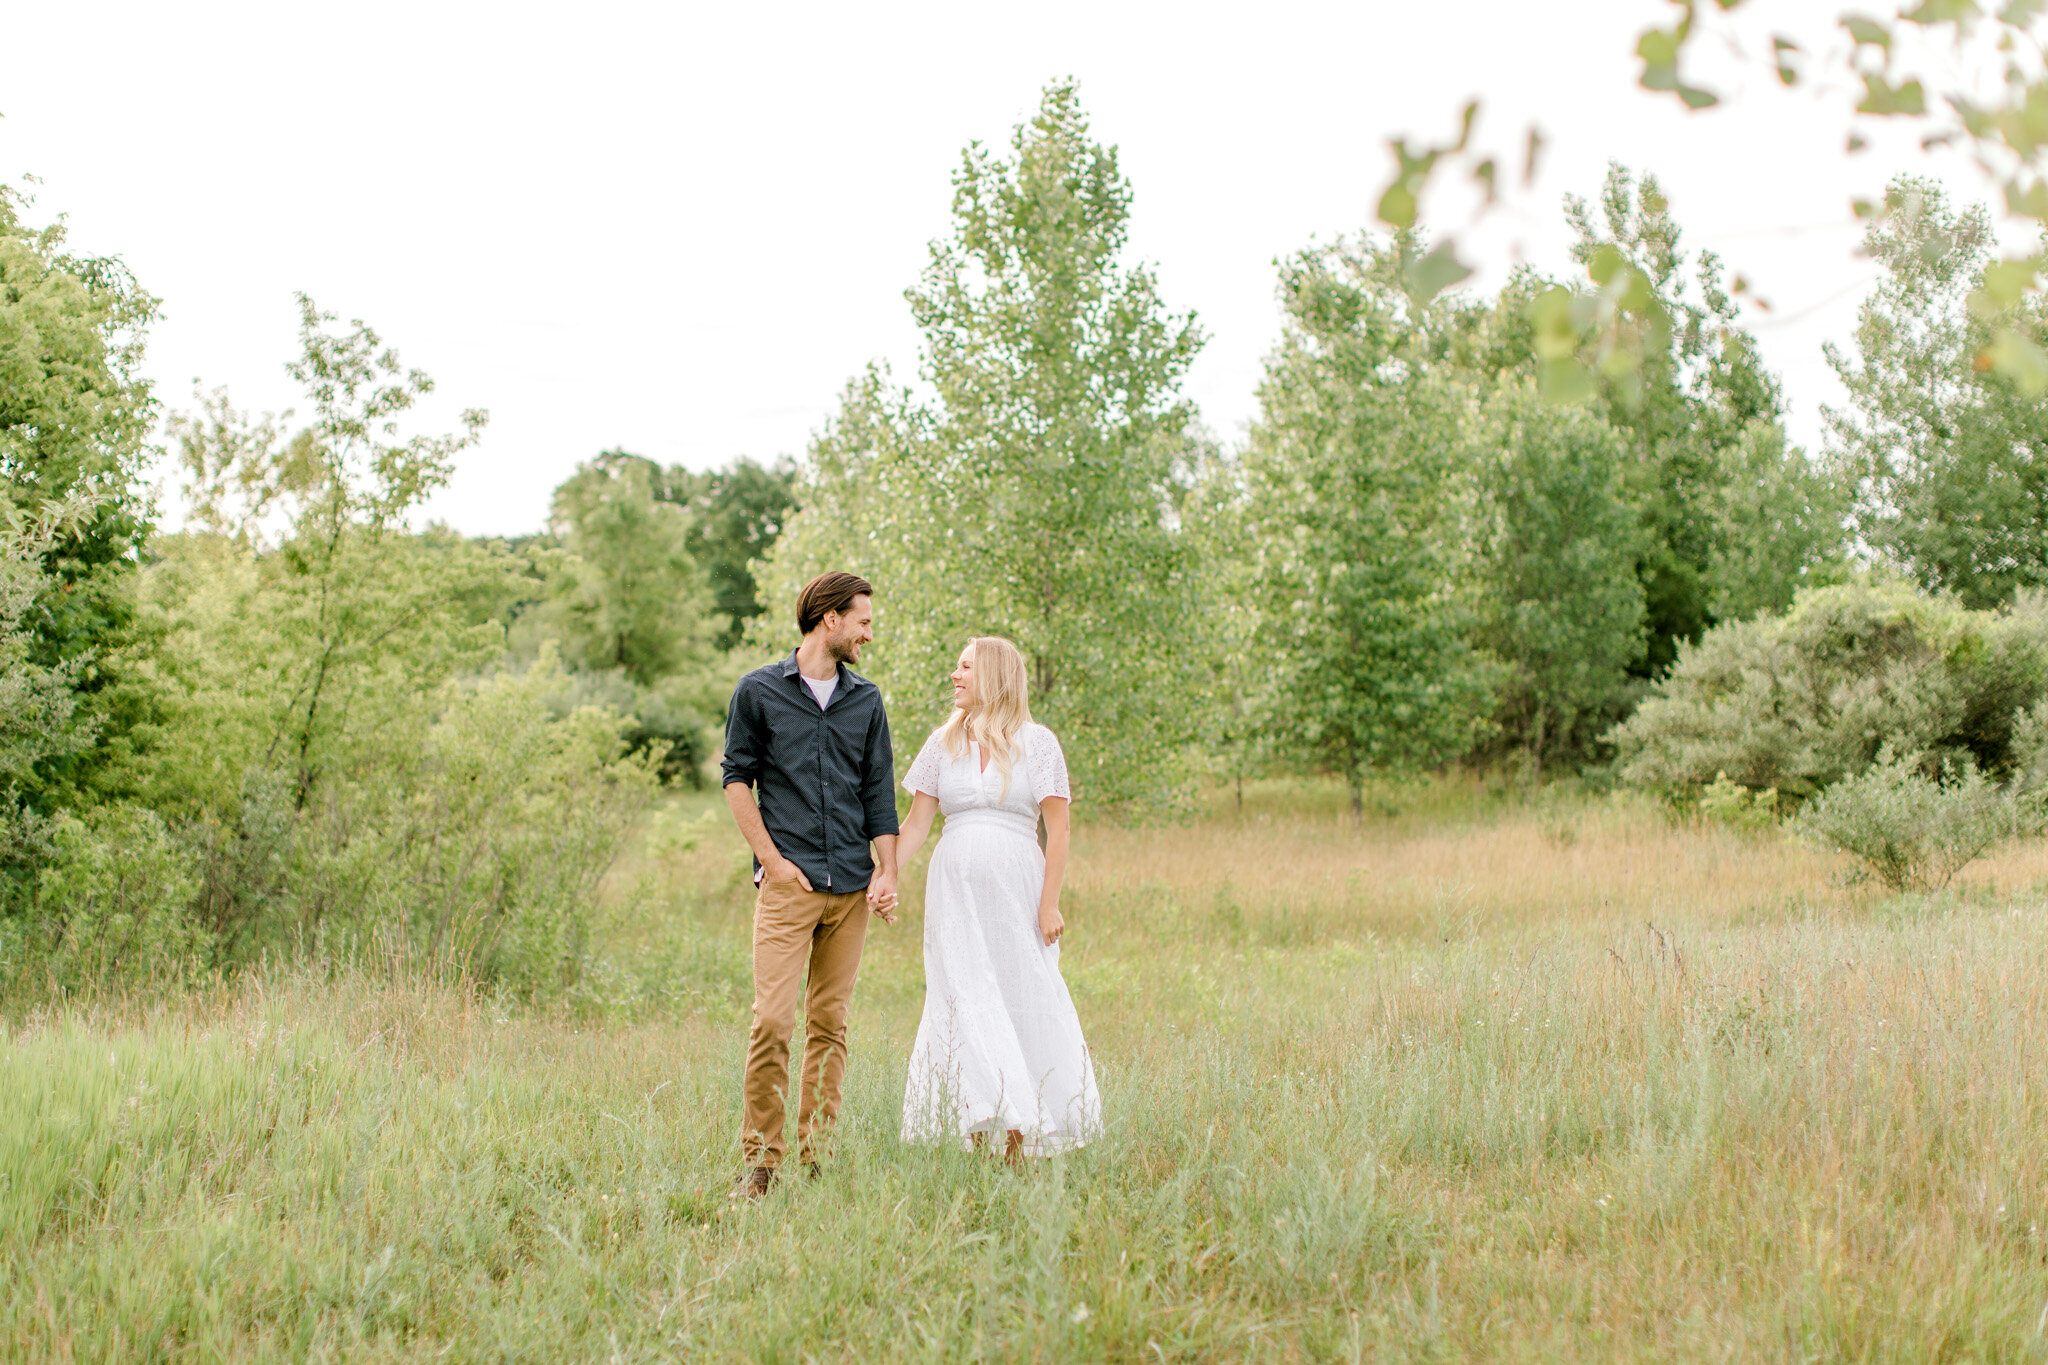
pixel 1462 857
pixel 1482 1079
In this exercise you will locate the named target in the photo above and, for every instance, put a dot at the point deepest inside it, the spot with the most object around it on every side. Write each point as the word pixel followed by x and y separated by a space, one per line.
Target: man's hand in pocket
pixel 783 870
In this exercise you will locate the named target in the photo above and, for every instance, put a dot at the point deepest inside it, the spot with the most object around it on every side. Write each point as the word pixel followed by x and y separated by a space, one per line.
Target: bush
pixel 1914 831
pixel 1796 703
pixel 1737 807
pixel 670 723
pixel 113 906
pixel 482 855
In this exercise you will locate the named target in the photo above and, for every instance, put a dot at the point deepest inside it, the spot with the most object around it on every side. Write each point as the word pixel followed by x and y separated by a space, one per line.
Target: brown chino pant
pixel 792 925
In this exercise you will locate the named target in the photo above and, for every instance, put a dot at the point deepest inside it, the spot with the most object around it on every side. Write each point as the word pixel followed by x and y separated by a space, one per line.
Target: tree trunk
pixel 1044 676
pixel 1358 800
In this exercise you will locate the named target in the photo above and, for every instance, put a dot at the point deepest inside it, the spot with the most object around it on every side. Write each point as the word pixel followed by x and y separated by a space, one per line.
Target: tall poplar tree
pixel 1946 452
pixel 1358 515
pixel 1028 486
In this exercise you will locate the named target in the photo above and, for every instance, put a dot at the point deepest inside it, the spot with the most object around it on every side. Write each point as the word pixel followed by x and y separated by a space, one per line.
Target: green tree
pixel 1237 698
pixel 1559 599
pixel 37 700
pixel 350 617
pixel 1031 489
pixel 736 514
pixel 626 597
pixel 1359 522
pixel 1947 454
pixel 630 595
pixel 1696 408
pixel 75 415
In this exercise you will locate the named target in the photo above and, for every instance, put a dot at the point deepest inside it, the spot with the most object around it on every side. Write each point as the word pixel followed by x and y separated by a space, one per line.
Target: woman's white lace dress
pixel 1000 1045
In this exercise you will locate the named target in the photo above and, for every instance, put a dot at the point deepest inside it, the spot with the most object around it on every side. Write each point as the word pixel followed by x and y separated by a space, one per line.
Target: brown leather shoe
pixel 754 1183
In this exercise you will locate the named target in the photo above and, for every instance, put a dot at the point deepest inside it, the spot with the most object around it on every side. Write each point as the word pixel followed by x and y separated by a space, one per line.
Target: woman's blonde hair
pixel 1000 710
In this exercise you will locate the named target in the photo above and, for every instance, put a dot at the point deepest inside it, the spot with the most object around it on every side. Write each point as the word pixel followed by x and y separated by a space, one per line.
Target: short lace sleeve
pixel 1048 765
pixel 924 770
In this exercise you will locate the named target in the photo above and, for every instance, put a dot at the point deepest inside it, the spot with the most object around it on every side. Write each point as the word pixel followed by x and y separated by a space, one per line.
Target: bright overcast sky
pixel 679 229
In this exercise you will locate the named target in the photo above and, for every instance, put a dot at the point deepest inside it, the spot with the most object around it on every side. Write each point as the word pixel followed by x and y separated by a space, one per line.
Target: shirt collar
pixel 846 675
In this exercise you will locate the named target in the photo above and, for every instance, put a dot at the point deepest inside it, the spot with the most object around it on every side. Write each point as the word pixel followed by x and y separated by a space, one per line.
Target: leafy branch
pixel 1600 331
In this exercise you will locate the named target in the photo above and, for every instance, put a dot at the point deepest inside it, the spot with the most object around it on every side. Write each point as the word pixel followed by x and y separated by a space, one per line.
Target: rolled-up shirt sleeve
pixel 878 778
pixel 745 738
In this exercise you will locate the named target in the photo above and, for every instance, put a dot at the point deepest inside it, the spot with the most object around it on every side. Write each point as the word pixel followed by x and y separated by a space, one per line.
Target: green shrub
pixel 113 905
pixel 512 822
pixel 1915 831
pixel 1737 807
pixel 1797 702
pixel 244 859
pixel 670 723
pixel 480 853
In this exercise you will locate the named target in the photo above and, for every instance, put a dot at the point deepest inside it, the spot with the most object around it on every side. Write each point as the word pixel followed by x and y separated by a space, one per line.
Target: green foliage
pixel 1236 696
pixel 629 596
pixel 736 514
pixel 1558 598
pixel 1732 520
pixel 75 415
pixel 1030 491
pixel 1949 487
pixel 1736 807
pixel 2000 122
pixel 350 620
pixel 1799 702
pixel 1777 524
pixel 626 593
pixel 1355 524
pixel 37 700
pixel 486 848
pixel 306 661
pixel 74 409
pixel 113 906
pixel 462 821
pixel 1916 831
pixel 345 771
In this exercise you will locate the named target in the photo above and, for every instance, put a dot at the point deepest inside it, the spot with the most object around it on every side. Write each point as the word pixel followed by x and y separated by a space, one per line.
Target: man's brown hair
pixel 833 591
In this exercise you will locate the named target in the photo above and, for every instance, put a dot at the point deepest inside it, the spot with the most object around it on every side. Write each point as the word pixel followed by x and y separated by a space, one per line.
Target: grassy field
pixel 1485 1079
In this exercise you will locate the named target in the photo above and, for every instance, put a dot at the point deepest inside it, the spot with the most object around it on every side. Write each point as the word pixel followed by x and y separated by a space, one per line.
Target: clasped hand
pixel 882 897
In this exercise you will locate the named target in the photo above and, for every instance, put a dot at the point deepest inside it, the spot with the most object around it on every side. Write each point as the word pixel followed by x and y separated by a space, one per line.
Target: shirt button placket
pixel 824 797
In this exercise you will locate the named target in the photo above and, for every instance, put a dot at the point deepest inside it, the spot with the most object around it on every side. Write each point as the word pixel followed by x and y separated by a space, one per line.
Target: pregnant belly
pixel 984 858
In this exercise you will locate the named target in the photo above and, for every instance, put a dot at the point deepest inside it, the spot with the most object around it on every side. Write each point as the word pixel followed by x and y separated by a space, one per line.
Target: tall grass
pixel 1481 1080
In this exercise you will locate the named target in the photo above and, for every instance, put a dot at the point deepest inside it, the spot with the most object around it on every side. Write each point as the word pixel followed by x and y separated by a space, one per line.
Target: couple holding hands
pixel 810 776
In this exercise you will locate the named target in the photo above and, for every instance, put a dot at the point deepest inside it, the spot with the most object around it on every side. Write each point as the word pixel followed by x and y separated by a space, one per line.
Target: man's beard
pixel 846 651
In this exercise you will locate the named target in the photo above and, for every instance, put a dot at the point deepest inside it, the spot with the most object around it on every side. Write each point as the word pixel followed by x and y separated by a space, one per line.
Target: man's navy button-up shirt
pixel 825 779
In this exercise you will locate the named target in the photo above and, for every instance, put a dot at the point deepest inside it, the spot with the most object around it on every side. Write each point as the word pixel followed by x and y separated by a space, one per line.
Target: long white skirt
pixel 1000 1045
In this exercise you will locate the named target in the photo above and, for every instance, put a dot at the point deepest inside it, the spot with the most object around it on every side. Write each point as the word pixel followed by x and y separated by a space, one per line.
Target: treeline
pixel 300 725
pixel 303 724
pixel 1424 553
pixel 1462 529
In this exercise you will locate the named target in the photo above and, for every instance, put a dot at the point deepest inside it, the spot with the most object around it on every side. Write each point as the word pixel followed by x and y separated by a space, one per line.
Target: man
pixel 810 735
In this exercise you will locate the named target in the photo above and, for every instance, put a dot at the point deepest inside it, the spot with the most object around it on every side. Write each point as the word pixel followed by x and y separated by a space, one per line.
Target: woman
pixel 999 1048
